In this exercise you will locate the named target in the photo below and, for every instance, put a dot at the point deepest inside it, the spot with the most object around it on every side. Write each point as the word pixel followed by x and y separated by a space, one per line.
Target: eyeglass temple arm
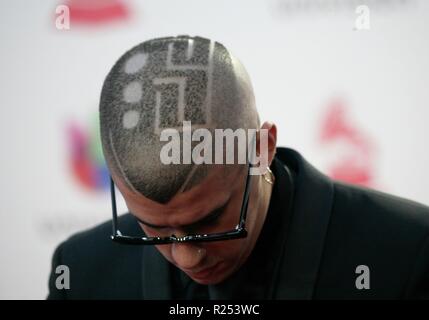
pixel 114 210
pixel 245 202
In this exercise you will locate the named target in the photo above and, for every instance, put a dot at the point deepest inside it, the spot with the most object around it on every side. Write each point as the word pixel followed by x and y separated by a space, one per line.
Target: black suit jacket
pixel 333 229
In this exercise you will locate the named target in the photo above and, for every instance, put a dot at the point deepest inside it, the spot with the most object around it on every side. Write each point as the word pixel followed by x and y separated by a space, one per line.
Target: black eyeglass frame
pixel 237 233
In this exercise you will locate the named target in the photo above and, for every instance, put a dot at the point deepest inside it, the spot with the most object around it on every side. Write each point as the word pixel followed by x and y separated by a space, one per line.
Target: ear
pixel 272 140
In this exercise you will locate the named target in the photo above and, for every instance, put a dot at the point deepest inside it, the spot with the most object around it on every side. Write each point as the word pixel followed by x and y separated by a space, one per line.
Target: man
pixel 212 229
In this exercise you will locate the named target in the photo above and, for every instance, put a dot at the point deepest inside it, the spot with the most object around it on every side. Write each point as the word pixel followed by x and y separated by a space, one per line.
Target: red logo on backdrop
pixel 97 11
pixel 354 152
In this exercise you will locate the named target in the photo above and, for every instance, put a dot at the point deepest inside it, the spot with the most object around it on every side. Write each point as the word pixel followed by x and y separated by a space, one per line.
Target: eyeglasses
pixel 237 233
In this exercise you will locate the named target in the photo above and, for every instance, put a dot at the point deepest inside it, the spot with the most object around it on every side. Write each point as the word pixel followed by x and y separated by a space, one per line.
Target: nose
pixel 187 256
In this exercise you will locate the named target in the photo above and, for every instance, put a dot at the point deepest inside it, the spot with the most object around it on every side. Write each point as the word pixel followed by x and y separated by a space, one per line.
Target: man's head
pixel 157 86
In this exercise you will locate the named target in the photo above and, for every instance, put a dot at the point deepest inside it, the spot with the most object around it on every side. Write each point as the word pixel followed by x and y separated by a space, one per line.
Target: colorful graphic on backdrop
pixel 97 11
pixel 86 159
pixel 356 153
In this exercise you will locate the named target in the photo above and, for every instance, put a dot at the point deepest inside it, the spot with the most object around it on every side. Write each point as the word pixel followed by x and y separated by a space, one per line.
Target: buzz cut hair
pixel 158 85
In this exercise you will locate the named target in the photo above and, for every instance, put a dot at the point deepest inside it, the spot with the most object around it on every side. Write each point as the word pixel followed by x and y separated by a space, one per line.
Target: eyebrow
pixel 214 214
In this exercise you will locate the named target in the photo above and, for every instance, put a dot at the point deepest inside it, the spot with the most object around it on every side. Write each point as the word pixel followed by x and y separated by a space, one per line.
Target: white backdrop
pixel 353 102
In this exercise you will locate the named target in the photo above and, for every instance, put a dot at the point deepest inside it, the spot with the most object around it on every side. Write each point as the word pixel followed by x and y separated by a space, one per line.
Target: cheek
pixel 225 250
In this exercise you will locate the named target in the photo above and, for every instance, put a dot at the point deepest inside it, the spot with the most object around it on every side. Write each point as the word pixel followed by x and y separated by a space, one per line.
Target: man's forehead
pixel 213 191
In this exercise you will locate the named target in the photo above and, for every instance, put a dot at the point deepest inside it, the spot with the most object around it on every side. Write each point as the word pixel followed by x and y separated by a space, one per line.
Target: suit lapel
pixel 311 213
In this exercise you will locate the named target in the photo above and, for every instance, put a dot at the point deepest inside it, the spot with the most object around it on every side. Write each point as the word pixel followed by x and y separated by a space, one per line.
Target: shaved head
pixel 158 85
